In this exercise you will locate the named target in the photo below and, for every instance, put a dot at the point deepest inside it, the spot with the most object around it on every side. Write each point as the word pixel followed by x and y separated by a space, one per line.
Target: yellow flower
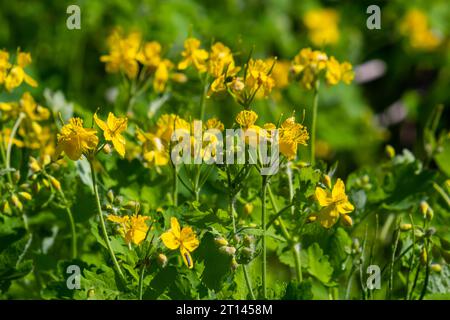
pixel 280 72
pixel 292 134
pixel 338 72
pixel 214 123
pixel 416 27
pixel 334 203
pixel 162 75
pixel 192 54
pixel 112 129
pixel 123 53
pixel 150 55
pixel 4 65
pixel 75 140
pixel 221 66
pixel 17 75
pixel 246 118
pixel 185 239
pixel 322 25
pixel 33 111
pixel 308 64
pixel 132 228
pixel 258 77
pixel 167 124
pixel 153 150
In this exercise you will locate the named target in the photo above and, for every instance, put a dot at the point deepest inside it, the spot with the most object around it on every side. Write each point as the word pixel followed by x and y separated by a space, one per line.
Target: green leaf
pixel 298 291
pixel 318 264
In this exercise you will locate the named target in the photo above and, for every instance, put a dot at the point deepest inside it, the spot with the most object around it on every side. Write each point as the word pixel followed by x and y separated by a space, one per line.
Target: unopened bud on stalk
pixel 15 200
pixel 418 233
pixel 248 240
pixel 423 256
pixel 131 205
pixel 220 241
pixel 248 208
pixel 36 187
pixel 228 250
pixel 110 196
pixel 25 195
pixel 107 149
pixel 390 151
pixel 234 264
pixel 327 181
pixel 34 165
pixel 55 183
pixel 118 200
pixel 405 226
pixel 247 252
pixel 46 183
pixel 179 77
pixel 311 218
pixel 90 293
pixel 6 209
pixel 162 260
pixel 436 267
pixel 424 207
pixel 16 176
pixel 347 220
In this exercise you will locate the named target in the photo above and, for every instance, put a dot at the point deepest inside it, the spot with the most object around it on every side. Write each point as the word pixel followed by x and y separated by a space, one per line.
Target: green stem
pixel 10 142
pixel 391 278
pixel 72 224
pixel 264 245
pixel 175 185
pixel 202 98
pixel 141 281
pixel 247 281
pixel 313 122
pixel 102 223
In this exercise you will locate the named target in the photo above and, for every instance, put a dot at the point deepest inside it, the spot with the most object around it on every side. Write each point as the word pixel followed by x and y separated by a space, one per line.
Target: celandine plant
pixel 176 201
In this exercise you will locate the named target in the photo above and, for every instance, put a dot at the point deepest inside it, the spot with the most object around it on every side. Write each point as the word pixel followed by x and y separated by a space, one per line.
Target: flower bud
pixel 131 205
pixel 347 220
pixel 55 183
pixel 16 176
pixel 248 208
pixel 247 252
pixel 248 240
pixel 15 200
pixel 91 293
pixel 118 200
pixel 25 195
pixel 110 196
pixel 423 256
pixel 327 181
pixel 228 250
pixel 405 226
pixel 424 207
pixel 418 233
pixel 34 165
pixel 221 241
pixel 107 149
pixel 311 218
pixel 390 151
pixel 436 267
pixel 6 209
pixel 36 187
pixel 162 260
pixel 179 77
pixel 46 183
pixel 234 264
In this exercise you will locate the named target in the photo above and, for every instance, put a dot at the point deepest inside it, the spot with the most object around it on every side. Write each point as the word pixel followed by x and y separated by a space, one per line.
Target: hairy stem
pixel 102 223
pixel 313 123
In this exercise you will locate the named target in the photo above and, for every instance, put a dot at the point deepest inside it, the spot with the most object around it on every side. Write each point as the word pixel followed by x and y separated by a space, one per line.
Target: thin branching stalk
pixel 264 244
pixel 11 139
pixel 72 223
pixel 102 223
pixel 313 122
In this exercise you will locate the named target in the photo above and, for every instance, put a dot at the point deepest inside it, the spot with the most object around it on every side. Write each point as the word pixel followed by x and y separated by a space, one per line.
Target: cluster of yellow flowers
pixel 75 140
pixel 128 53
pixel 322 25
pixel 416 27
pixel 132 228
pixel 12 75
pixel 334 203
pixel 309 64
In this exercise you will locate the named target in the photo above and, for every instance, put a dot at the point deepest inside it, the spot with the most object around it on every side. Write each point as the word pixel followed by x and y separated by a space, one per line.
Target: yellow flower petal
pixel 189 239
pixel 175 227
pixel 323 197
pixel 170 240
pixel 328 216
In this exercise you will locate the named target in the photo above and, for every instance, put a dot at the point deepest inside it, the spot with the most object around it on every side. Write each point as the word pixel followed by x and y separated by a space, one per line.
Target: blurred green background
pixel 355 122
